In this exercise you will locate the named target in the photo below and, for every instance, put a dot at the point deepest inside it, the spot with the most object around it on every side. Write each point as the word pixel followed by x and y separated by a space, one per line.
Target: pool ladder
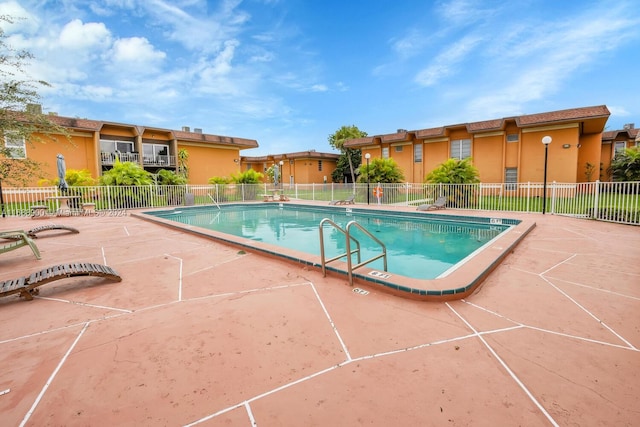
pixel 347 233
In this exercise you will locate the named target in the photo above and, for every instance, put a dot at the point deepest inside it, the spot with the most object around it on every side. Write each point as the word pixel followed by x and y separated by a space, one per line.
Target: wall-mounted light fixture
pixel 569 145
pixel 236 160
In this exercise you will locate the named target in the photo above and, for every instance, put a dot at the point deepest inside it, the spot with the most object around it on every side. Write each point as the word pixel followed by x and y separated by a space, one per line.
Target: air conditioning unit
pixel 186 129
pixel 197 130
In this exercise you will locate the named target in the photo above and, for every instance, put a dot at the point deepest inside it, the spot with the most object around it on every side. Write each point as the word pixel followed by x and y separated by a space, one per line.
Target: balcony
pixel 109 158
pixel 159 161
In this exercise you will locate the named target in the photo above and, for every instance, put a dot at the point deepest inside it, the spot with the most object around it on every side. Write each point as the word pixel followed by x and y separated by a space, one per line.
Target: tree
pixel 17 120
pixel 183 163
pixel 74 178
pixel 167 177
pixel 454 171
pixel 342 165
pixel 123 176
pixel 354 156
pixel 625 166
pixel 126 173
pixel 247 177
pixel 381 170
pixel 20 117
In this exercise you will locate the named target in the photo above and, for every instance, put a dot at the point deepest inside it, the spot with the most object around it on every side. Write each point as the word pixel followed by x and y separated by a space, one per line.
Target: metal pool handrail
pixel 348 237
pixel 214 200
pixel 348 254
pixel 350 267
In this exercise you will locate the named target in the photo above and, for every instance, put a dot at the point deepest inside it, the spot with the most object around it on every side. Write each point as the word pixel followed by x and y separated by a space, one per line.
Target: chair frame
pixel 17 239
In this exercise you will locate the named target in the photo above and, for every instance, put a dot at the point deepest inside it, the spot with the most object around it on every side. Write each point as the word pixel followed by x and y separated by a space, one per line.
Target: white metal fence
pixel 606 201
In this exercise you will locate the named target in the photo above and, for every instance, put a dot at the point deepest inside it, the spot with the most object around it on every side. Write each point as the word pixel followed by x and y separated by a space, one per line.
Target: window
pixel 320 165
pixel 155 154
pixel 511 179
pixel 512 137
pixel 385 152
pixel 398 149
pixel 15 145
pixel 618 147
pixel 109 146
pixel 417 153
pixel 460 148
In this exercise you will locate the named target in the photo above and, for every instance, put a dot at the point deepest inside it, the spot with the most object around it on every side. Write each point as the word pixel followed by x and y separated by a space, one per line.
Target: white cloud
pixel 462 12
pixel 446 63
pixel 77 36
pixel 319 88
pixel 618 110
pixel 23 20
pixel 411 44
pixel 539 66
pixel 136 50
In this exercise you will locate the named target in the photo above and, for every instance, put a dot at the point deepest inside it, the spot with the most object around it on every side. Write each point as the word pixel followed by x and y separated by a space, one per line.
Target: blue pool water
pixel 419 245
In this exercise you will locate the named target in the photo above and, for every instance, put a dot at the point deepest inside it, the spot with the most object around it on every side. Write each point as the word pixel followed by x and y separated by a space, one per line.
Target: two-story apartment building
pixel 96 145
pixel 303 167
pixel 507 150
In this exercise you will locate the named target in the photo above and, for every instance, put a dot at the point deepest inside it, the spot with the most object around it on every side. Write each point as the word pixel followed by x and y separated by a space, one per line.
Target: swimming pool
pixel 417 246
pixel 421 246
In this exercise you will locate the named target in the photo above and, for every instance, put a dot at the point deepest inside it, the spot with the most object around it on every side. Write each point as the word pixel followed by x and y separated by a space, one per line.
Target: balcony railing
pixel 159 161
pixel 108 158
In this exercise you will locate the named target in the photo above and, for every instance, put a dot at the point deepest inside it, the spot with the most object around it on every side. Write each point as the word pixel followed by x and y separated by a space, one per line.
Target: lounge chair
pixel 438 204
pixel 27 287
pixel 348 201
pixel 17 239
pixel 33 233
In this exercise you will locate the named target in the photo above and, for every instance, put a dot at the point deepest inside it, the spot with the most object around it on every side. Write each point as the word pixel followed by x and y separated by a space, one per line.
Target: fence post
pixel 596 200
pixel 553 197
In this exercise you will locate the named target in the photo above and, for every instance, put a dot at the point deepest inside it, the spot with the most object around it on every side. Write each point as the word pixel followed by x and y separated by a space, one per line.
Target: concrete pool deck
pixel 199 333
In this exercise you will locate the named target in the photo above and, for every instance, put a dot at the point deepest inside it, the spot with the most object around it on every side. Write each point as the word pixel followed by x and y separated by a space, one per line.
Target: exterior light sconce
pixel 235 160
pixel 566 145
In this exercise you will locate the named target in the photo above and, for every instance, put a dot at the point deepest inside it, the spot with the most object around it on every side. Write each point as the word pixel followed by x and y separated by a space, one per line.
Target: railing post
pixel 553 197
pixel 596 200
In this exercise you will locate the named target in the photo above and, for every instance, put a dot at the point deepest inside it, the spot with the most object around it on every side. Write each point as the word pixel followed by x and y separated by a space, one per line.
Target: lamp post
pixel 281 174
pixel 368 156
pixel 546 141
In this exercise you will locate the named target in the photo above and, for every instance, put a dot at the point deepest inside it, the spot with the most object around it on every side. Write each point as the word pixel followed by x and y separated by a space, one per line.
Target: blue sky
pixel 291 72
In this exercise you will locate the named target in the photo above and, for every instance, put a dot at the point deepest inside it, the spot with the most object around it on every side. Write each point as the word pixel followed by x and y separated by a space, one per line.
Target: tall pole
pixel 2 200
pixel 367 156
pixel 546 141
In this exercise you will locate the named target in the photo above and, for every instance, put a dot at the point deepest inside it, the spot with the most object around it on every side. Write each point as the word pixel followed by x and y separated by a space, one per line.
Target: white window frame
pixel 511 179
pixel 385 152
pixel 459 147
pixel 618 146
pixel 16 146
pixel 116 146
pixel 417 153
pixel 513 137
